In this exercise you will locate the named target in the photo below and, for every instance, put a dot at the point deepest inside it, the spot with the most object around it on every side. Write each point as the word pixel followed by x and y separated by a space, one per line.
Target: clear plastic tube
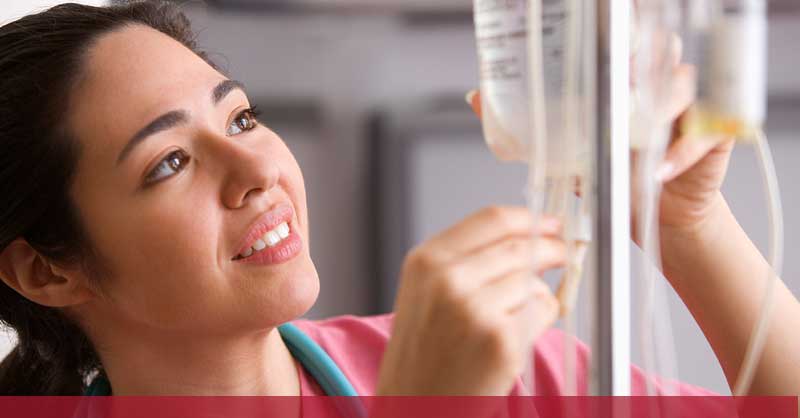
pixel 578 232
pixel 775 258
pixel 730 45
pixel 656 342
pixel 537 152
pixel 556 158
pixel 653 61
pixel 513 90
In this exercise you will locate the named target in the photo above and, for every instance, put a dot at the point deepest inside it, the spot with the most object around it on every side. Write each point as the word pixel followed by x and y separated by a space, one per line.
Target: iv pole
pixel 610 375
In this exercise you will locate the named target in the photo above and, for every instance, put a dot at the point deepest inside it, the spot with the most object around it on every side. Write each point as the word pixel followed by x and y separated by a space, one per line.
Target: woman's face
pixel 175 183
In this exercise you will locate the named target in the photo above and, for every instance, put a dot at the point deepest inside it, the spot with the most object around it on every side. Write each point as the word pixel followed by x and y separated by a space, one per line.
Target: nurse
pixel 154 233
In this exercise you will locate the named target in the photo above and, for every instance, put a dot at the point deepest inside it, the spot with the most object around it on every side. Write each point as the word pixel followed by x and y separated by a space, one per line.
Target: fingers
pixel 548 253
pixel 685 152
pixel 476 271
pixel 508 294
pixel 683 90
pixel 481 268
pixel 535 316
pixel 486 227
pixel 676 49
pixel 682 87
pixel 473 99
pixel 522 301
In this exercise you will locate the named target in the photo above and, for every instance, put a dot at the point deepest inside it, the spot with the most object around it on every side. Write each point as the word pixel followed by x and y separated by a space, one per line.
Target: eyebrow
pixel 223 88
pixel 175 117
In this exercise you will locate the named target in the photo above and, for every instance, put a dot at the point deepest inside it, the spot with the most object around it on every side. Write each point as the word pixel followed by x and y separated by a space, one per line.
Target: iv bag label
pixel 736 82
pixel 501 35
pixel 554 27
pixel 501 32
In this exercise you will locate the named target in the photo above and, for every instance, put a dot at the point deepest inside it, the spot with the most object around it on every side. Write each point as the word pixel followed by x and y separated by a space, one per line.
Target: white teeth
pixel 283 230
pixel 259 245
pixel 271 239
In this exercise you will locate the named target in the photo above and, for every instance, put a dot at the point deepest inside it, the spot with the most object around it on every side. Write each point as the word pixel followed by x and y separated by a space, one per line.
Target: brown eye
pixel 169 166
pixel 244 121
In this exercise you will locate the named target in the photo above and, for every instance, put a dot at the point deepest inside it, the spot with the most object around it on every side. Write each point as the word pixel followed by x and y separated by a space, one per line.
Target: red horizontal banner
pixel 398 407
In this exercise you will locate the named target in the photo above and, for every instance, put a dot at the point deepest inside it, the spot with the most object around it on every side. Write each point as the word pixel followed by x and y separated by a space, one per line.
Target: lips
pixel 269 221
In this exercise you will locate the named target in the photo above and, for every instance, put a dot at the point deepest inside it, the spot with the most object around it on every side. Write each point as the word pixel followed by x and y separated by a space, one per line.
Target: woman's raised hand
pixel 692 171
pixel 693 167
pixel 470 305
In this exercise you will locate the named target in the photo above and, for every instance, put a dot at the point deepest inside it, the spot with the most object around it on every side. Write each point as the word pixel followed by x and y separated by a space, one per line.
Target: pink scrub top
pixel 356 345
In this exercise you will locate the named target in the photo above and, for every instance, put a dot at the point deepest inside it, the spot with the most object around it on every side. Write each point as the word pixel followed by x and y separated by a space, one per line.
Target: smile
pixel 270 239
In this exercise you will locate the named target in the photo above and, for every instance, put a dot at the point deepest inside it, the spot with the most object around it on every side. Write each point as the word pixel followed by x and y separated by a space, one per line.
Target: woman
pixel 156 232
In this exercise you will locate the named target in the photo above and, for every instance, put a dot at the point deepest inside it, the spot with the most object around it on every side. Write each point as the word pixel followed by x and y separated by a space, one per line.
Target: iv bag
pixel 726 41
pixel 501 36
pixel 537 75
pixel 504 40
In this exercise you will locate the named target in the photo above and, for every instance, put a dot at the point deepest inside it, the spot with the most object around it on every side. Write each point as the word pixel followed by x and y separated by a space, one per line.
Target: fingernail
pixel 549 224
pixel 665 171
pixel 534 283
pixel 677 49
pixel 470 95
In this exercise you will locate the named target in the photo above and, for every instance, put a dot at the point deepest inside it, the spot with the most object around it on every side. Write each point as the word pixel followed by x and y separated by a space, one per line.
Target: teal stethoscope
pixel 303 348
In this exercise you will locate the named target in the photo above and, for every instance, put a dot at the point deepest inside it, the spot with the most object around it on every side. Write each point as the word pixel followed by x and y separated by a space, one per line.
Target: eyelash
pixel 177 160
pixel 251 115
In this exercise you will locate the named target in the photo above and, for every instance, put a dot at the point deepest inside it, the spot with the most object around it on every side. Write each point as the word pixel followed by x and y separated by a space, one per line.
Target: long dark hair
pixel 41 57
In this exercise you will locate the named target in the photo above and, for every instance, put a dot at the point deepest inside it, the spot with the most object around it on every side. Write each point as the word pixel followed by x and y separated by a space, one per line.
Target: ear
pixel 36 278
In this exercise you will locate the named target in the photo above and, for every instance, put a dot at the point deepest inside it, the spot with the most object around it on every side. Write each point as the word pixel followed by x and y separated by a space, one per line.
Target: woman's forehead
pixel 132 75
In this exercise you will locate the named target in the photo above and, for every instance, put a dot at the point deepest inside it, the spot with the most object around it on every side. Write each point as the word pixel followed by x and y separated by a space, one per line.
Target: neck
pixel 257 364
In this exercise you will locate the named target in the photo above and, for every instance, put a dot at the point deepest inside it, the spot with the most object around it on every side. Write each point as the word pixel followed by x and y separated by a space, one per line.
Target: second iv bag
pixel 727 42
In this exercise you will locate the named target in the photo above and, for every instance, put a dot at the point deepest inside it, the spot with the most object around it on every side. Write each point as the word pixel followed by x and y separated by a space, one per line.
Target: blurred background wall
pixel 369 97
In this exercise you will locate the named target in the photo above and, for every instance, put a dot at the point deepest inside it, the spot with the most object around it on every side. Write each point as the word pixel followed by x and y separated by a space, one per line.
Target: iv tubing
pixel 537 153
pixel 576 242
pixel 756 344
pixel 658 350
pixel 648 212
pixel 655 336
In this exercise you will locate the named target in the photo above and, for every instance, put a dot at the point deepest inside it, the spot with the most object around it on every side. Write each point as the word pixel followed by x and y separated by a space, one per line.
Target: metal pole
pixel 611 358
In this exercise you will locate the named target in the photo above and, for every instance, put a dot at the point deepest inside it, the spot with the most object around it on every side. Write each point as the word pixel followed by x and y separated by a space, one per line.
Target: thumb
pixel 473 99
pixel 687 151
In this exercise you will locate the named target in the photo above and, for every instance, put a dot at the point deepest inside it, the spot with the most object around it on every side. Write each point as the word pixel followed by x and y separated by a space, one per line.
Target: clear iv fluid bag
pixel 501 36
pixel 501 31
pixel 727 42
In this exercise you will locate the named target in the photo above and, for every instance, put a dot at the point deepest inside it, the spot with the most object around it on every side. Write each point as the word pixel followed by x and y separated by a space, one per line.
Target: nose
pixel 249 173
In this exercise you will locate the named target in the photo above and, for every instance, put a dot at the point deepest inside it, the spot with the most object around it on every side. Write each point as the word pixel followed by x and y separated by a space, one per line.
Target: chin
pixel 298 294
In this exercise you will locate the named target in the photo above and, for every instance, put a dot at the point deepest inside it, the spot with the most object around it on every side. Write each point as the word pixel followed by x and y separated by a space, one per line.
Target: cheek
pixel 168 268
pixel 170 274
pixel 293 182
pixel 165 264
